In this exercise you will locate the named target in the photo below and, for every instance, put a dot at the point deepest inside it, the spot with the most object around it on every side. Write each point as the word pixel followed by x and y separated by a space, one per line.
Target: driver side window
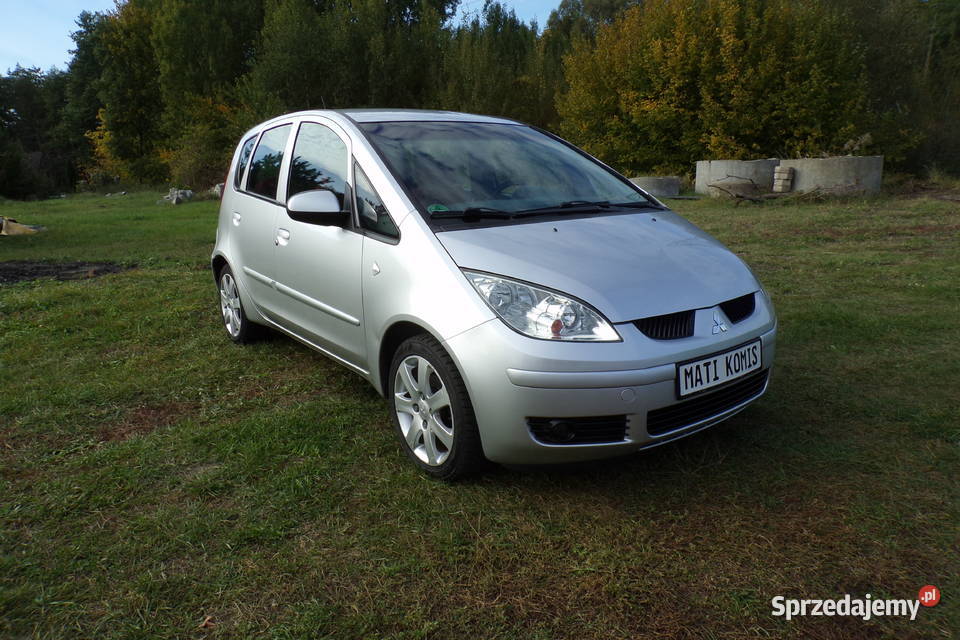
pixel 319 162
pixel 371 212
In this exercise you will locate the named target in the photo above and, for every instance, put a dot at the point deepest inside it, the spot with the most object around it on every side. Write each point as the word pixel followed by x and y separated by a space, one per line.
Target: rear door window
pixel 265 167
pixel 243 162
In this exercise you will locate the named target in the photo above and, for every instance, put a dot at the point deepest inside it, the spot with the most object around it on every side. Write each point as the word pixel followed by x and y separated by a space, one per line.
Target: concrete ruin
pixel 839 175
pixel 658 186
pixel 735 175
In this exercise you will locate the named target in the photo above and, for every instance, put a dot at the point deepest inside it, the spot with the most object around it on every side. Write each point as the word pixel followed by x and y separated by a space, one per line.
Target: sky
pixel 36 33
pixel 526 10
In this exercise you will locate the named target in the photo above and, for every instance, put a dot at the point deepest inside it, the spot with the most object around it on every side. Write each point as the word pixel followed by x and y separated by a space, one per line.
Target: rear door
pixel 255 210
pixel 318 267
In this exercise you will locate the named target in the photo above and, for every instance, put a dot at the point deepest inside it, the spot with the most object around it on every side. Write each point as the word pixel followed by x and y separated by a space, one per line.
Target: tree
pixel 160 89
pixel 580 19
pixel 202 49
pixel 33 161
pixel 675 81
pixel 345 54
pixel 572 22
pixel 291 70
pixel 493 65
pixel 938 100
pixel 83 78
pixel 130 92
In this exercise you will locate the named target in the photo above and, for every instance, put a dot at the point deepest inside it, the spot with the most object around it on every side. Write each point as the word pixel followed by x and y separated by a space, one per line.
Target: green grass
pixel 153 474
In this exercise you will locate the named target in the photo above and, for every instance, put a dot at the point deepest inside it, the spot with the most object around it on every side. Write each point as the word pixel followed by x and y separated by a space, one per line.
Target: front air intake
pixel 706 406
pixel 592 430
pixel 739 308
pixel 671 326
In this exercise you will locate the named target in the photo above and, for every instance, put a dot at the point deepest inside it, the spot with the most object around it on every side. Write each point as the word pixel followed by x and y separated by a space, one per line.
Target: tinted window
pixel 244 160
pixel 457 165
pixel 319 161
pixel 370 210
pixel 265 168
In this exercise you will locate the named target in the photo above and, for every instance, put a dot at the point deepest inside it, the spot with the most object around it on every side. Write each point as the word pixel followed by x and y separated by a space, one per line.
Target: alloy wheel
pixel 230 304
pixel 423 410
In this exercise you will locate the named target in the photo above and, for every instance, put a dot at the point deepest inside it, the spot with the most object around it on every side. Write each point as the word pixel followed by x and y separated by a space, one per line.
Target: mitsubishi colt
pixel 513 298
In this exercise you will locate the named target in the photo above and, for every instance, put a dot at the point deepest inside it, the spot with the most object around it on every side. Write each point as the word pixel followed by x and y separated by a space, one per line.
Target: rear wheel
pixel 431 410
pixel 234 318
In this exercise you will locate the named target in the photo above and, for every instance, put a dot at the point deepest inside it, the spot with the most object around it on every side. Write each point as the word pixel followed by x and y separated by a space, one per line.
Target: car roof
pixel 417 115
pixel 358 116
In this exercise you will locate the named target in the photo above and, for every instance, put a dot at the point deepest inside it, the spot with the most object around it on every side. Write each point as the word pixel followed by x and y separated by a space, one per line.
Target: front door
pixel 318 267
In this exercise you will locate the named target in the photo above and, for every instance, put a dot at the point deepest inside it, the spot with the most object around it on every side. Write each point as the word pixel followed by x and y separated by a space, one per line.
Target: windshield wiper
pixel 474 213
pixel 571 206
pixel 584 206
pixel 637 205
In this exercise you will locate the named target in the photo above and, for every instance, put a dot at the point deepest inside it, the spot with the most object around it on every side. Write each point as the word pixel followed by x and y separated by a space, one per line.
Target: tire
pixel 431 410
pixel 235 321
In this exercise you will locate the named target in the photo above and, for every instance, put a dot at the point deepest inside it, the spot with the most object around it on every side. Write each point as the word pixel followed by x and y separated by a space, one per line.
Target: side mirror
pixel 318 206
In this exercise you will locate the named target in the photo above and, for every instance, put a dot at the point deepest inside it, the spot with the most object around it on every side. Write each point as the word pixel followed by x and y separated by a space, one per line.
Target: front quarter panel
pixel 415 281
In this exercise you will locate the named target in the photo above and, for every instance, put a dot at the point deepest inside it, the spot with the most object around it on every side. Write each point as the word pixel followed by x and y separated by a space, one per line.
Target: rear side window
pixel 319 161
pixel 371 212
pixel 243 162
pixel 265 167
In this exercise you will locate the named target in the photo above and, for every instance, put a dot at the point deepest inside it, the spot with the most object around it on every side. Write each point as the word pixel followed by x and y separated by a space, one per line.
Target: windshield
pixel 469 166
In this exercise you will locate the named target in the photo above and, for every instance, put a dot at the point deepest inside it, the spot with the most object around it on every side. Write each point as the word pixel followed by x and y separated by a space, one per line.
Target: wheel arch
pixel 217 263
pixel 393 337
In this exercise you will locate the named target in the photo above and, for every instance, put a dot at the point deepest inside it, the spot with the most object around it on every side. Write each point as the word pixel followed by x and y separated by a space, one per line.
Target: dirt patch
pixel 20 270
pixel 949 196
pixel 913 189
pixel 198 470
pixel 144 419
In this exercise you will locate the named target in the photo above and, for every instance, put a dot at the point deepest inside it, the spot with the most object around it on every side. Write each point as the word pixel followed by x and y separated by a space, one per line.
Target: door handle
pixel 236 219
pixel 283 237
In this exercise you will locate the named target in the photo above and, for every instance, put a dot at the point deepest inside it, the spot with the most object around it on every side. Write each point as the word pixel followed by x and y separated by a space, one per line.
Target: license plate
pixel 715 370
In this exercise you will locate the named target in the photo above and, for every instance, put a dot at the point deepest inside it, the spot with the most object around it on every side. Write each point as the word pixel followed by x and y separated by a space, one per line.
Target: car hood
pixel 627 266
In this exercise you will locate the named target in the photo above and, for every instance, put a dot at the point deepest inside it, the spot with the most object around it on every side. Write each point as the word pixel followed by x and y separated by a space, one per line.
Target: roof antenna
pixel 323 102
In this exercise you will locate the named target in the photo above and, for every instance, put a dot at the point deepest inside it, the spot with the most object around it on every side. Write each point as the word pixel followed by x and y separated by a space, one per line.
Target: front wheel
pixel 431 410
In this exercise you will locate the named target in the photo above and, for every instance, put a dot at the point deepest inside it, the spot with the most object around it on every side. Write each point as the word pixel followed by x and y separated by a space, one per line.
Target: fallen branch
pixel 736 195
pixel 750 180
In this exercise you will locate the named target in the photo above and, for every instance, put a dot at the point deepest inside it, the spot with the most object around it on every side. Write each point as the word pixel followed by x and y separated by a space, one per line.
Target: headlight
pixel 541 313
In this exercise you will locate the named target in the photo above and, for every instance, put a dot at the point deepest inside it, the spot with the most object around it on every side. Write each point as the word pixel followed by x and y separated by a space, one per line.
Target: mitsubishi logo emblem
pixel 718 324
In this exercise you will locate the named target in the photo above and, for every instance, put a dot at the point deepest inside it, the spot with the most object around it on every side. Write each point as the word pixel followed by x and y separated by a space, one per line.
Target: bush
pixel 671 82
pixel 201 155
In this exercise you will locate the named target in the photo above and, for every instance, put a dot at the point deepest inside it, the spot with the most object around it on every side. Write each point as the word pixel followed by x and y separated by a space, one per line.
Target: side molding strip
pixel 307 300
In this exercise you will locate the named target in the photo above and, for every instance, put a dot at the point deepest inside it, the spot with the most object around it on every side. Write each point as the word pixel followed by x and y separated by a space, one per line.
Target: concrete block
pixel 660 186
pixel 783 179
pixel 840 174
pixel 756 172
pixel 785 173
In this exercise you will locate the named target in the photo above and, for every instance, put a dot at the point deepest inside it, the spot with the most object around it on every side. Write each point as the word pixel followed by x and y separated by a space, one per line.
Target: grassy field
pixel 158 481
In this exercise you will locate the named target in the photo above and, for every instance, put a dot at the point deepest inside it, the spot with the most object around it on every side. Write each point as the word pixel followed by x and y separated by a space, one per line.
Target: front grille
pixel 705 406
pixel 739 308
pixel 668 327
pixel 593 430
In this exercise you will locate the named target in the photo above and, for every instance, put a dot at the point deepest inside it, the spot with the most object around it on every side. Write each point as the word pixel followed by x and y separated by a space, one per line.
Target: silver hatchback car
pixel 512 297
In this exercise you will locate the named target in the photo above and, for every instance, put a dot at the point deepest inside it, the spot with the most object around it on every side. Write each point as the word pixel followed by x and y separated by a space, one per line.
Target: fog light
pixel 559 431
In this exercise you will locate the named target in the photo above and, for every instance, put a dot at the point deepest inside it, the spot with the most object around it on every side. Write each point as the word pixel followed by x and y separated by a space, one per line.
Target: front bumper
pixel 512 378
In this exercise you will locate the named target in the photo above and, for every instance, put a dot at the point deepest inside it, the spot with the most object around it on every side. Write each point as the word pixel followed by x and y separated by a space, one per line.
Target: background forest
pixel 159 91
